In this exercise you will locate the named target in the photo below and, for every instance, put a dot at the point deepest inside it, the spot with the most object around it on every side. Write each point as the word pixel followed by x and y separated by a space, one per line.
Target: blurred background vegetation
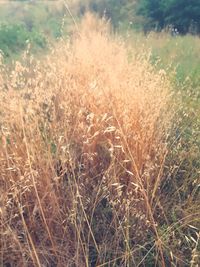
pixel 36 22
pixel 41 23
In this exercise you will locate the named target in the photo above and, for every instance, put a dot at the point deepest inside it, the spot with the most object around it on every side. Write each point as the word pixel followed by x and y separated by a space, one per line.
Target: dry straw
pixel 84 137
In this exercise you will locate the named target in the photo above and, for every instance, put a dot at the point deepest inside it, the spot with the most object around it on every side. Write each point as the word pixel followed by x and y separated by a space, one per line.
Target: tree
pixel 153 11
pixel 118 11
pixel 180 14
pixel 183 15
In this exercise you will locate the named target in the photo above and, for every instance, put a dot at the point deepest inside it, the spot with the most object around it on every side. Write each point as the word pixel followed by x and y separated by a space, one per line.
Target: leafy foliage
pixel 36 22
pixel 14 38
pixel 119 11
pixel 181 14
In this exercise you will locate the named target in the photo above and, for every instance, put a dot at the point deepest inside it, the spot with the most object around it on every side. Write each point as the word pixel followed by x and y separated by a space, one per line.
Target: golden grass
pixel 84 141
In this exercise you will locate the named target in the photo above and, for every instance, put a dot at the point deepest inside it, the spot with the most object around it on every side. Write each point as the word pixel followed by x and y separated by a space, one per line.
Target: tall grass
pixel 87 137
pixel 178 54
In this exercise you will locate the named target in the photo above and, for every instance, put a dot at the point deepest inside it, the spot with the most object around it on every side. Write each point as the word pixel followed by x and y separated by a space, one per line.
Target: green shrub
pixel 14 38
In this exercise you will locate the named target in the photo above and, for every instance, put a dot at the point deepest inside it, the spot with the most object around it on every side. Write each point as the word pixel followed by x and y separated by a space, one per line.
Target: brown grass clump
pixel 84 141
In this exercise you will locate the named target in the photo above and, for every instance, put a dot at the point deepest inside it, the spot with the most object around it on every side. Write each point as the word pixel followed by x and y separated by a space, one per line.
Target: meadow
pixel 99 151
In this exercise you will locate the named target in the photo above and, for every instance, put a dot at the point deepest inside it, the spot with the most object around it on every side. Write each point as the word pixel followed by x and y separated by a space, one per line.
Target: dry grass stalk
pixel 84 138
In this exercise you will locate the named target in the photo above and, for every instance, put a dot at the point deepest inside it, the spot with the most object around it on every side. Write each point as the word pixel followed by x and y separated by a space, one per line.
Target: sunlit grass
pixel 172 53
pixel 95 170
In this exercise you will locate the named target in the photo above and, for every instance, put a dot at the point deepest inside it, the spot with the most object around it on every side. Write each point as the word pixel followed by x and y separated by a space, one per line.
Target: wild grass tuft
pixel 90 167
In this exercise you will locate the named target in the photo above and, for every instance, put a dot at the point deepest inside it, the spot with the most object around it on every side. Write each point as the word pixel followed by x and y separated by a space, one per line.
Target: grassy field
pixel 37 23
pixel 179 54
pixel 99 152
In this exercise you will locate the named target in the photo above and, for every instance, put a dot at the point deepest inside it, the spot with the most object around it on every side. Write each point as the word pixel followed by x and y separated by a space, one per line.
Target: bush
pixel 14 38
